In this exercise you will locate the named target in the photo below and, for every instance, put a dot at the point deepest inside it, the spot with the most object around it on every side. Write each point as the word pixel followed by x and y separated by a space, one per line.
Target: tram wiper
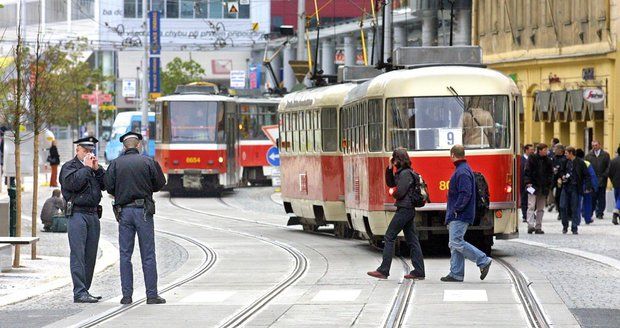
pixel 461 102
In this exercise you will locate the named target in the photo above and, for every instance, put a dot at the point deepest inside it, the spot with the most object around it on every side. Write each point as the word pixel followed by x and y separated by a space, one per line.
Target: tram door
pixel 232 137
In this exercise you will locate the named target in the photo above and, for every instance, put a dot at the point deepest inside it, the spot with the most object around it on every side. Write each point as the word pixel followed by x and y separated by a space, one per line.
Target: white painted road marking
pixel 211 296
pixel 477 295
pixel 337 295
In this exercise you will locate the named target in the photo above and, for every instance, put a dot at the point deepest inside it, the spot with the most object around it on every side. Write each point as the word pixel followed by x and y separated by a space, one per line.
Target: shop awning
pixel 541 106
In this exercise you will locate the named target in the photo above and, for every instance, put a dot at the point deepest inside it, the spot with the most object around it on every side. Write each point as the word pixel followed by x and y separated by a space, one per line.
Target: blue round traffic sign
pixel 273 156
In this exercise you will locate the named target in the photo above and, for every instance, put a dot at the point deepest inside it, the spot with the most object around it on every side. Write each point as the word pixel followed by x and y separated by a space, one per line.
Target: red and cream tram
pixel 311 162
pixel 253 114
pixel 197 141
pixel 427 110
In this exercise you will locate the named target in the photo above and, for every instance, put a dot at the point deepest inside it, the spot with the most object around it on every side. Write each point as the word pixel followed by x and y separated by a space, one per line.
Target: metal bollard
pixel 12 208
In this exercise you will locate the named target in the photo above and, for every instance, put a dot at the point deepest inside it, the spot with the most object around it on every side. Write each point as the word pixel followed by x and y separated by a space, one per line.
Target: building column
pixel 289 81
pixel 429 28
pixel 328 51
pixel 462 33
pixel 349 51
pixel 400 36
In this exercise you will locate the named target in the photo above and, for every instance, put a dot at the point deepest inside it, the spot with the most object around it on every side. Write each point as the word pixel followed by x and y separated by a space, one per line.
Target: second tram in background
pixel 197 139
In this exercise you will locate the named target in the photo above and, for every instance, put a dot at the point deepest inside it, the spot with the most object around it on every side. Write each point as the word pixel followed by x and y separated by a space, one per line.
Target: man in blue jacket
pixel 460 214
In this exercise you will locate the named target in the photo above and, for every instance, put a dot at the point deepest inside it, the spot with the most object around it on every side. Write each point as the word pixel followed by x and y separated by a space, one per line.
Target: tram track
pixel 300 266
pixel 535 316
pixel 205 266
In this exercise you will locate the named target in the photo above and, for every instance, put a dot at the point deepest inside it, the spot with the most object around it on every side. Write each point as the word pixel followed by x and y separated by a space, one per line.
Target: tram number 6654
pixel 444 185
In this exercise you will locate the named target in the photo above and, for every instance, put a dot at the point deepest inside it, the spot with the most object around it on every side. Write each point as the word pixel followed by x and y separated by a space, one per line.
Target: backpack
pixel 419 196
pixel 482 195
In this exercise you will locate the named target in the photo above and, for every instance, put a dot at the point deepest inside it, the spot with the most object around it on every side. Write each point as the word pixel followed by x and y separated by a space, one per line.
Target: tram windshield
pixel 194 122
pixel 438 123
pixel 252 117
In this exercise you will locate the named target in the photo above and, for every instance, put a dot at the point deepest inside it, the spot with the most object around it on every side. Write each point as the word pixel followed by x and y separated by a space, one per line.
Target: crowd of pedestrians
pixel 567 180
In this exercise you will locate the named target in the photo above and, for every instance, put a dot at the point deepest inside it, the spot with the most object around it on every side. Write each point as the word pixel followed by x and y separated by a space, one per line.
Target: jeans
pixel 617 197
pixel 83 232
pixel 461 250
pixel 570 205
pixel 134 221
pixel 402 220
pixel 598 199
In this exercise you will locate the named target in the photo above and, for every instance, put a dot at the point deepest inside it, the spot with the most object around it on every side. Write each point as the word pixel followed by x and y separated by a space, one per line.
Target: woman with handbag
pixel 54 159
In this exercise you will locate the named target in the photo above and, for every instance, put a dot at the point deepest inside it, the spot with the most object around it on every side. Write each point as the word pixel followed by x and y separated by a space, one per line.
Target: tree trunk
pixel 35 188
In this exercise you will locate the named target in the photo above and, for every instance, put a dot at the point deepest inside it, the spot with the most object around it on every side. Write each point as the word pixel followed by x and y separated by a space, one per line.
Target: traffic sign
pixel 273 156
pixel 233 7
pixel 97 97
pixel 272 132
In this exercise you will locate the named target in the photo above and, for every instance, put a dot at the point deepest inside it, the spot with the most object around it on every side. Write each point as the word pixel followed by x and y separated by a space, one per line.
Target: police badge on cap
pixel 88 142
pixel 130 135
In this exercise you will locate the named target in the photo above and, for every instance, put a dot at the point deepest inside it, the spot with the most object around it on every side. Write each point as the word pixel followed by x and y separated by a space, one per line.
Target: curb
pixel 107 259
pixel 586 255
pixel 277 198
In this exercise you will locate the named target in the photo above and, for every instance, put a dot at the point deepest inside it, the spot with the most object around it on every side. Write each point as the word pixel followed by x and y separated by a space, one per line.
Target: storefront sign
pixel 129 88
pixel 237 79
pixel 593 95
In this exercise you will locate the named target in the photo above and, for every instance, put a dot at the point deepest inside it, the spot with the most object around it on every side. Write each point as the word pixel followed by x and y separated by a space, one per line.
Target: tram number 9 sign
pixel 449 137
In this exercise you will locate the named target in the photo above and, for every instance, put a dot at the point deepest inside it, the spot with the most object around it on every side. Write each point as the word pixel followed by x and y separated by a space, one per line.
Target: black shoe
pixel 539 232
pixel 126 300
pixel 615 219
pixel 559 217
pixel 575 232
pixel 449 278
pixel 524 220
pixel 93 296
pixel 564 230
pixel 485 270
pixel 414 277
pixel 86 298
pixel 155 300
pixel 530 230
pixel 600 217
pixel 550 209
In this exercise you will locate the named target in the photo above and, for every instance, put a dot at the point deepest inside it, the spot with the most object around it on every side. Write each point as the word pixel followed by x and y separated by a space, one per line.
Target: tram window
pixel 434 123
pixel 302 132
pixel 329 129
pixel 295 132
pixel 310 131
pixel 375 125
pixel 317 130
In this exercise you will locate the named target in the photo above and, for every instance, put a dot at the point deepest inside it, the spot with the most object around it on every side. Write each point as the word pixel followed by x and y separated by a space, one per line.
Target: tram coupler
pixel 293 220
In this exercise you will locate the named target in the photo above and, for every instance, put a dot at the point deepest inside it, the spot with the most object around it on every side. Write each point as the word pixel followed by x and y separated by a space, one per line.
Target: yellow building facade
pixel 563 55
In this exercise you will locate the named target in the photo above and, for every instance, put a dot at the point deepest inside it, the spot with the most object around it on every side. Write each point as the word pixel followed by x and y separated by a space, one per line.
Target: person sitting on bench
pixel 51 207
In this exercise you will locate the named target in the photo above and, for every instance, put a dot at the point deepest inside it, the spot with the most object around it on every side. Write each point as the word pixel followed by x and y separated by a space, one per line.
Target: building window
pixel 244 11
pixel 187 8
pixel 56 11
pixel 82 9
pixel 172 9
pixel 8 16
pixel 32 13
pixel 216 9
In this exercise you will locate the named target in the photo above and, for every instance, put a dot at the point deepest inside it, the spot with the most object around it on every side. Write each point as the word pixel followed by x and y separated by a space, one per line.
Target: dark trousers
pixel 83 231
pixel 134 221
pixel 570 202
pixel 557 197
pixel 403 221
pixel 524 204
pixel 598 200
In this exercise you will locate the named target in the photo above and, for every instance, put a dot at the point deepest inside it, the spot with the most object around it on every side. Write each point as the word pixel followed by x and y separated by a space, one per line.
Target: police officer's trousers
pixel 83 231
pixel 134 221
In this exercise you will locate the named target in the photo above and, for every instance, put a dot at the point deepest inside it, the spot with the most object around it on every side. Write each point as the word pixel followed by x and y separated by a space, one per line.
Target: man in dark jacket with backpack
pixel 538 181
pixel 460 213
pixel 404 183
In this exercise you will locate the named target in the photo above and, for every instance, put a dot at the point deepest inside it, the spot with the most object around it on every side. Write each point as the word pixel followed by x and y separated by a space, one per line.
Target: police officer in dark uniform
pixel 82 180
pixel 132 179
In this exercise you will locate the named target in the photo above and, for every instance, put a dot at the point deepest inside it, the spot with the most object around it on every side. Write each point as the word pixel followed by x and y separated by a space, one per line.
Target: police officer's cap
pixel 88 142
pixel 130 135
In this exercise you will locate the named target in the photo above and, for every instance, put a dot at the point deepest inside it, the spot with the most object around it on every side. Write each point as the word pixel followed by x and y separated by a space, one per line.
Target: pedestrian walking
pixel 54 159
pixel 528 150
pixel 460 213
pixel 51 207
pixel 132 179
pixel 538 182
pixel 599 159
pixel 404 183
pixel 586 202
pixel 575 182
pixel 551 201
pixel 614 176
pixel 81 181
pixel 559 166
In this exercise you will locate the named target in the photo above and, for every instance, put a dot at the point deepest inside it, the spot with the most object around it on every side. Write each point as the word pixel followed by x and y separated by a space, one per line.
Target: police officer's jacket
pixel 81 184
pixel 132 176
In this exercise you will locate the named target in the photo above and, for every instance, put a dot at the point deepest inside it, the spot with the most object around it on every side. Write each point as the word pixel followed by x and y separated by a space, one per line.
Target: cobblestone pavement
pixel 58 304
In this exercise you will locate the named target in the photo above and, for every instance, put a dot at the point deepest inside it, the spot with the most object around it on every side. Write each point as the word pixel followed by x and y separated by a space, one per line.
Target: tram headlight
pixel 220 159
pixel 508 189
pixel 499 214
pixel 391 191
